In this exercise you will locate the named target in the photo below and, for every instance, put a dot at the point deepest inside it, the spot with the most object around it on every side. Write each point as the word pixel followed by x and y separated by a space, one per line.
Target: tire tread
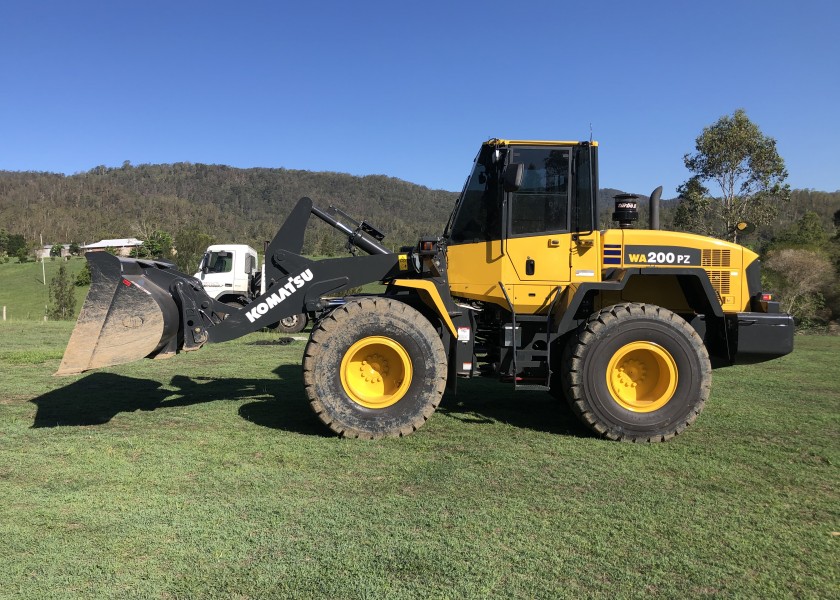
pixel 600 324
pixel 343 318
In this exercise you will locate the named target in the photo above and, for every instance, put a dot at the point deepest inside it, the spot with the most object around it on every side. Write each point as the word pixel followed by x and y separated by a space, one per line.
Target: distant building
pixel 121 247
pixel 44 252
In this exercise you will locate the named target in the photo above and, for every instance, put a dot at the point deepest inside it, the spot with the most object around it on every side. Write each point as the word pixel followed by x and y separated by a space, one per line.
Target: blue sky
pixel 410 90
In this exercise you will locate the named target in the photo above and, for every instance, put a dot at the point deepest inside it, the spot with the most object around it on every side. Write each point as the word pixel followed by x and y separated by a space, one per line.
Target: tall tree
pixel 746 171
pixel 62 296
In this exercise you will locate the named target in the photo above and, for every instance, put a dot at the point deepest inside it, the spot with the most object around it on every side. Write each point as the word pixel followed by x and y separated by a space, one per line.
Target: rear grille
pixel 720 281
pixel 715 258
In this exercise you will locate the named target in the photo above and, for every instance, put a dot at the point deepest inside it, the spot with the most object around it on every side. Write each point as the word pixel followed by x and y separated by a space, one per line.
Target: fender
pixel 694 282
pixel 431 297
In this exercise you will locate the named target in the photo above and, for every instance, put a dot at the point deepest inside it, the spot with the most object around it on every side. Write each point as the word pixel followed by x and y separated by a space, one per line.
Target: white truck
pixel 230 274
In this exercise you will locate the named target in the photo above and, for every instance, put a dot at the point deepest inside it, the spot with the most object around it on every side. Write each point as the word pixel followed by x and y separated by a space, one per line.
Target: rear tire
pixel 636 372
pixel 234 305
pixel 373 368
pixel 294 324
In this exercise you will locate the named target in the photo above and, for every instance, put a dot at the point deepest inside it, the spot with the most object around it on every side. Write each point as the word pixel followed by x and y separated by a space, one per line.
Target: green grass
pixel 206 476
pixel 22 289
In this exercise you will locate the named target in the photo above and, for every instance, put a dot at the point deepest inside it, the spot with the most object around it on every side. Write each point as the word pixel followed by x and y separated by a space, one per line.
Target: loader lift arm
pixel 147 308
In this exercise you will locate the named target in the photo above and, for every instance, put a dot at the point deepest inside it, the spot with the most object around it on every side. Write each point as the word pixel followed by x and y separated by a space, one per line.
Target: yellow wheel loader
pixel 624 324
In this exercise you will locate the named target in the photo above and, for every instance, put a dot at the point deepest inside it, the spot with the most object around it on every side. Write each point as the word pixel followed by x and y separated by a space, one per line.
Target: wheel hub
pixel 374 368
pixel 642 376
pixel 376 372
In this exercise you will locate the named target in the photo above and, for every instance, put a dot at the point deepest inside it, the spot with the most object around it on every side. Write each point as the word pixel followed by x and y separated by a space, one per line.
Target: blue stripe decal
pixel 612 252
pixel 612 261
pixel 612 245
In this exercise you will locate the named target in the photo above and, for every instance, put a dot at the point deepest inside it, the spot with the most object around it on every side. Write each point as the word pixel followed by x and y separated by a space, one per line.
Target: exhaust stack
pixel 654 208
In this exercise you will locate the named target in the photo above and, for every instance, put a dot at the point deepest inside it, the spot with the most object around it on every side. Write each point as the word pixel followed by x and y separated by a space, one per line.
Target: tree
pixel 83 277
pixel 746 170
pixel 15 244
pixel 158 244
pixel 191 244
pixel 4 240
pixel 62 296
pixel 806 233
pixel 22 255
pixel 74 249
pixel 805 275
pixel 56 250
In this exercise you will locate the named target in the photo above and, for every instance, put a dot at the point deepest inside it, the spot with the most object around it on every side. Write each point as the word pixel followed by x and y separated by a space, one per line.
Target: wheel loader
pixel 624 324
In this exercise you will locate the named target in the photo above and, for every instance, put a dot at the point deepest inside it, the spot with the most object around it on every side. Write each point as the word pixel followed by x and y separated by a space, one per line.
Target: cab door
pixel 538 236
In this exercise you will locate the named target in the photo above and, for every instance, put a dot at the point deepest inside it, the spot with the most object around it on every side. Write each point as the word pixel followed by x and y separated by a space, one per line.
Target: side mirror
pixel 743 228
pixel 513 176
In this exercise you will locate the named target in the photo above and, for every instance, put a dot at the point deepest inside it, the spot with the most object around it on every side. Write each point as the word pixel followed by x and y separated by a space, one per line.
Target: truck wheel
pixel 293 324
pixel 636 372
pixel 374 367
pixel 233 304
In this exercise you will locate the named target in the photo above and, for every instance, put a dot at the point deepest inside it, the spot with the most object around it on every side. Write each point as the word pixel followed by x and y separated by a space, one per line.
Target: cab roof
pixel 500 142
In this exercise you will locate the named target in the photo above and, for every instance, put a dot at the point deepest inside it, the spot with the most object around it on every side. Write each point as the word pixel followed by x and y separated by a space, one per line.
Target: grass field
pixel 22 289
pixel 206 476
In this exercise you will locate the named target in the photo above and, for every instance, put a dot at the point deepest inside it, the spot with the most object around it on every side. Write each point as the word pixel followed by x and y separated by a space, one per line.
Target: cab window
pixel 220 262
pixel 479 212
pixel 541 204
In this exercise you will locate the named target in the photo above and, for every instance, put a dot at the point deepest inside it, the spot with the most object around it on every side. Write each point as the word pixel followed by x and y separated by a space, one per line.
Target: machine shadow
pixel 280 403
pixel 481 401
pixel 97 398
pixel 287 408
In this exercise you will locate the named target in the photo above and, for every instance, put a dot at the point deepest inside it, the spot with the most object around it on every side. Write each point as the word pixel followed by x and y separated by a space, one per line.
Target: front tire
pixel 636 372
pixel 373 368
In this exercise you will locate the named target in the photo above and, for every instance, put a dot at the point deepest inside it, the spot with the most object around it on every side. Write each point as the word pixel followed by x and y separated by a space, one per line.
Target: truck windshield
pixel 479 212
pixel 218 262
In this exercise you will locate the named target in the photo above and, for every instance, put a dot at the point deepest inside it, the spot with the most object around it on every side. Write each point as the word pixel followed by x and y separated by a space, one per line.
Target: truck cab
pixel 227 272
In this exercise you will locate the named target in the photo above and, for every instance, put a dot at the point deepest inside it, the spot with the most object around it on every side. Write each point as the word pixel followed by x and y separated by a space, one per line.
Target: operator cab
pixel 526 188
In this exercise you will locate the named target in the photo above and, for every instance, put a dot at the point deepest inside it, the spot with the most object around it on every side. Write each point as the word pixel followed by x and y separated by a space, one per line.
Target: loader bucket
pixel 126 316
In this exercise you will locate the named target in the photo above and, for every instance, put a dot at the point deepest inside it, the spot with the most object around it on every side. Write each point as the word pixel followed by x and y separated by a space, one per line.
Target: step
pixel 532 386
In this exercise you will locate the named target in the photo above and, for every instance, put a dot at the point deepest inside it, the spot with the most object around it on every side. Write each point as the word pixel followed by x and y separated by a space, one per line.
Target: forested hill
pixel 248 205
pixel 232 205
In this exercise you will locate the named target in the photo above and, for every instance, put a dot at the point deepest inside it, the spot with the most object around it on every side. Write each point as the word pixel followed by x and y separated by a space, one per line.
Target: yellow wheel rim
pixel 376 372
pixel 642 377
